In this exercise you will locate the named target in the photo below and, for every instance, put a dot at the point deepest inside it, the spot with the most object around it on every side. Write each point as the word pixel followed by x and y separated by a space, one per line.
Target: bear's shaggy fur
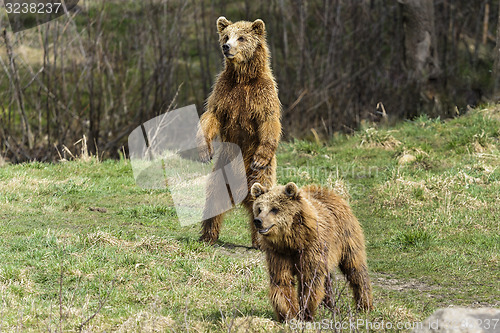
pixel 306 233
pixel 243 109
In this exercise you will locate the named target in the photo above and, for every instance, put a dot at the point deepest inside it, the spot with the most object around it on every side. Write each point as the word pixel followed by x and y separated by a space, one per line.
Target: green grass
pixel 78 237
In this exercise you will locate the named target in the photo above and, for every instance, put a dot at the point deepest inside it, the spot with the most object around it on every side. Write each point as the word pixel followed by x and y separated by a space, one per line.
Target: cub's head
pixel 275 210
pixel 240 40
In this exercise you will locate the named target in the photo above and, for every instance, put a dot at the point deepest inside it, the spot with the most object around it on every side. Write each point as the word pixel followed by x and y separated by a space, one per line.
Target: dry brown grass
pixel 150 243
pixel 372 138
pixel 146 322
pixel 23 183
pixel 82 155
pixel 250 324
pixel 449 190
pixel 339 186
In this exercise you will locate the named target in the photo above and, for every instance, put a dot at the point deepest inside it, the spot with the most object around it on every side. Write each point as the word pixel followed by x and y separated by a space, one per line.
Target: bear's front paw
pixel 259 162
pixel 206 153
pixel 256 243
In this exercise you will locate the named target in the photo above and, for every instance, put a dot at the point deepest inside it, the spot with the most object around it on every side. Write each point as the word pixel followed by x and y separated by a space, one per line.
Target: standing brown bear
pixel 306 234
pixel 242 109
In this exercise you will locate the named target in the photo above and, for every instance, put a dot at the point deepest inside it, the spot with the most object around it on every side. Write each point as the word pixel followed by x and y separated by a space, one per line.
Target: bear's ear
pixel 222 23
pixel 291 190
pixel 259 27
pixel 257 190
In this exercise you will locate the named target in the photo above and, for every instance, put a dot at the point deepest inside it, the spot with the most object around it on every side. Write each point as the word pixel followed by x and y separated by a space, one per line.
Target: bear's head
pixel 276 210
pixel 240 40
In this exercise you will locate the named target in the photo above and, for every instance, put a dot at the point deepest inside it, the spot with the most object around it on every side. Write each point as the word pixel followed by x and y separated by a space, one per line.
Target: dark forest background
pixel 108 66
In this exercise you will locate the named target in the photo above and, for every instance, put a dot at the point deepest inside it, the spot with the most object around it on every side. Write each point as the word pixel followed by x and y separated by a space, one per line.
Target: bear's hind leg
pixel 267 177
pixel 211 228
pixel 213 213
pixel 248 203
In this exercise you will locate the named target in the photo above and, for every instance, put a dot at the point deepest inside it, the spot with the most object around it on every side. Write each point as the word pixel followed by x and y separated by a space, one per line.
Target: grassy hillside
pixel 83 248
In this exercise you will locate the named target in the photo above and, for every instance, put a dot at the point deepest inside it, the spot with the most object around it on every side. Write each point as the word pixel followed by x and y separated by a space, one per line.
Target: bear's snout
pixel 225 48
pixel 258 223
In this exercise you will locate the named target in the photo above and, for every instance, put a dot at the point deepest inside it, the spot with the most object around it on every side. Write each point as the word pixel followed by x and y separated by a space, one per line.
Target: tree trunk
pixel 420 40
pixel 421 57
pixel 496 65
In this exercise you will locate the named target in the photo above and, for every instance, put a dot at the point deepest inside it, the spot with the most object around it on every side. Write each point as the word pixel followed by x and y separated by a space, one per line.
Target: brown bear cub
pixel 306 233
pixel 242 109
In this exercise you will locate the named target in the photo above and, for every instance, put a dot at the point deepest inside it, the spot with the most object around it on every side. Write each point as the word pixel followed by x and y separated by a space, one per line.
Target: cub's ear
pixel 257 190
pixel 222 23
pixel 259 27
pixel 291 190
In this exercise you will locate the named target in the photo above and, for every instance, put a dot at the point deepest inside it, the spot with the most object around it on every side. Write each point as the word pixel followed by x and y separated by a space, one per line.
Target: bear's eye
pixel 225 39
pixel 241 39
pixel 274 210
pixel 259 211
